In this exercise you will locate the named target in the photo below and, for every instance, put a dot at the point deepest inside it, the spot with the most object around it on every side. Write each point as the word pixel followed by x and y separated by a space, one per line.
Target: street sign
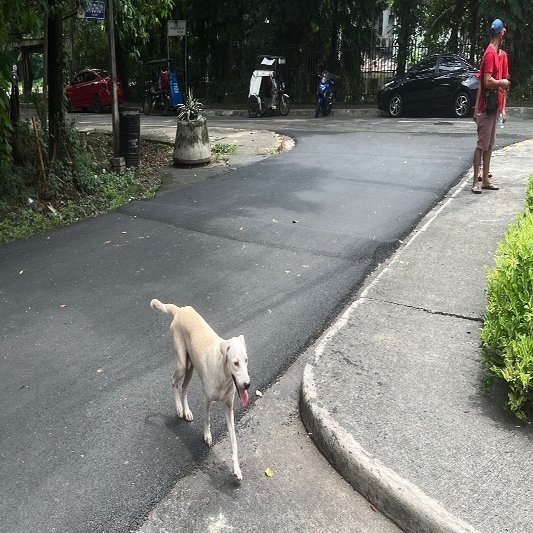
pixel 177 28
pixel 95 9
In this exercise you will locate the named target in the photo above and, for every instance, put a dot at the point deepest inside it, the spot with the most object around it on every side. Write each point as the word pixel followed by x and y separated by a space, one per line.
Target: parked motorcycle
pixel 324 93
pixel 158 99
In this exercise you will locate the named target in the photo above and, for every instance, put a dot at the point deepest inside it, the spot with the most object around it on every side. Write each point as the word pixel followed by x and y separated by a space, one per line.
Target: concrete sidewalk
pixel 393 391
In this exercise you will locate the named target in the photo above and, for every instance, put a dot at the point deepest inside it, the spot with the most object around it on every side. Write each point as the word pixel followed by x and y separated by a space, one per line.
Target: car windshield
pixel 452 64
pixel 424 66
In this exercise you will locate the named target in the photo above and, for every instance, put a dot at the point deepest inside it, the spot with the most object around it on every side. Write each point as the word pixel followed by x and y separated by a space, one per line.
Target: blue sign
pixel 95 9
pixel 175 93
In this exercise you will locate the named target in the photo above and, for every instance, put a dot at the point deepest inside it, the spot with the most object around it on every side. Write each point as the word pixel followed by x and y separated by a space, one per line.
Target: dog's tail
pixel 166 308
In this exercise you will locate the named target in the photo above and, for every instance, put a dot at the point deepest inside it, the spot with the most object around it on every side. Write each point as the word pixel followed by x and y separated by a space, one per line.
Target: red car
pixel 91 89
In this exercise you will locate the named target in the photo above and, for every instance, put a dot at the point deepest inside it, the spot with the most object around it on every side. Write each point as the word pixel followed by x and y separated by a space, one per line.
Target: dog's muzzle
pixel 242 392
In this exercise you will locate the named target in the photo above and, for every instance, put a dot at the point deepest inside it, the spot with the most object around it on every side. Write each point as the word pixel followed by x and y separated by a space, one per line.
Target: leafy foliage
pixel 507 334
pixel 191 109
pixel 92 192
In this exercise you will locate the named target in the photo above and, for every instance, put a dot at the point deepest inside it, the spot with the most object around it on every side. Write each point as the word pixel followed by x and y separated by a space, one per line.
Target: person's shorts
pixel 486 130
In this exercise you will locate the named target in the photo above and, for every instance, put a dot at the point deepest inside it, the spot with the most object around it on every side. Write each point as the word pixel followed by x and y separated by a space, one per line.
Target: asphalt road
pixel 89 439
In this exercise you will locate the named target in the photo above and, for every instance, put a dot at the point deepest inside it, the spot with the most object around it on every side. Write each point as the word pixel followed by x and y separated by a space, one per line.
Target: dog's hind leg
pixel 231 430
pixel 176 384
pixel 186 380
pixel 207 423
pixel 181 378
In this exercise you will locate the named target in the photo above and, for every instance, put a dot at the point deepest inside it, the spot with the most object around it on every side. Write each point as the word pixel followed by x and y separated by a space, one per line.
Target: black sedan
pixel 443 82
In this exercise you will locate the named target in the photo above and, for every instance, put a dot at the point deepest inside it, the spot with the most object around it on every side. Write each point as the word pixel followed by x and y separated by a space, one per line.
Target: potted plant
pixel 192 140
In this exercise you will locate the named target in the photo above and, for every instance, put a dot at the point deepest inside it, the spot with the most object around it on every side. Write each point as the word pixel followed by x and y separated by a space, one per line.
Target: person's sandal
pixel 491 187
pixel 476 190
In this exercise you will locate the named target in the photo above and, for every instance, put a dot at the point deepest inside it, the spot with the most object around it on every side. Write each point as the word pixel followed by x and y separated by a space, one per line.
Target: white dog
pixel 221 365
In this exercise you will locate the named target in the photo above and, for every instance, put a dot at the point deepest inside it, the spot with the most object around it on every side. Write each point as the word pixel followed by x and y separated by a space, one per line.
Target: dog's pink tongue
pixel 243 396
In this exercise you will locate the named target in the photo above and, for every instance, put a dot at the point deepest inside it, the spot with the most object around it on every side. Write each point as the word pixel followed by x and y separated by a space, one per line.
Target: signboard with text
pixel 95 9
pixel 177 28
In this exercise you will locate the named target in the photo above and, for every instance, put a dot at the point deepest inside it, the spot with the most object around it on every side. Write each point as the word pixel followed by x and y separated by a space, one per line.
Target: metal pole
pixel 186 81
pixel 113 62
pixel 45 60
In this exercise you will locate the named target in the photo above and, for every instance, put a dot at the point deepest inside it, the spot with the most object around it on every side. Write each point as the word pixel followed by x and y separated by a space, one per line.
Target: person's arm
pixel 505 74
pixel 491 83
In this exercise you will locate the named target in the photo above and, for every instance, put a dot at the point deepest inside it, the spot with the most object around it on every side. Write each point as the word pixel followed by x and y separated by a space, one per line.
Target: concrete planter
pixel 192 143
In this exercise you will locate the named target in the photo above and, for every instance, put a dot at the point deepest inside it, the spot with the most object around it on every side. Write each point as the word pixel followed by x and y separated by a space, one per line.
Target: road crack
pixel 429 311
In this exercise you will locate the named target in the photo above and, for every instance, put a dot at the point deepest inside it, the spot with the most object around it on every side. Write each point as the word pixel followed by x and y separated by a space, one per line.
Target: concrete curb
pixel 397 498
pixel 518 111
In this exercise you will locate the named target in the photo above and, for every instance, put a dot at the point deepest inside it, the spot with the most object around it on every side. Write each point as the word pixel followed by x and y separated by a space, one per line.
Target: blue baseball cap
pixel 496 27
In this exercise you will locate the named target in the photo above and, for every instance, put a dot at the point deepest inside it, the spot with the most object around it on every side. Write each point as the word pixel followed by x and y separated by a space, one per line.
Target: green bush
pixel 507 334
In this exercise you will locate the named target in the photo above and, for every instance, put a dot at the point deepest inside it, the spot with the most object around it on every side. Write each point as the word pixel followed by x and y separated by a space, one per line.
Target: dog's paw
pixel 237 473
pixel 208 439
pixel 188 415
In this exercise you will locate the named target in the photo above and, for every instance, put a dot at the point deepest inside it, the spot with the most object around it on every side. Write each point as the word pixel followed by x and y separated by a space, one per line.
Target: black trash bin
pixel 130 137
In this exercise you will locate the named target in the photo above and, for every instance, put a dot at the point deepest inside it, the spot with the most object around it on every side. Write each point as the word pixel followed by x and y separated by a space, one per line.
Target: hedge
pixel 507 333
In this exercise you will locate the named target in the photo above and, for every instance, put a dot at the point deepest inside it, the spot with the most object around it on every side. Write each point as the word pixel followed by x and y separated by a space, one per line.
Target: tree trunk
pixel 334 43
pixel 56 118
pixel 473 29
pixel 14 116
pixel 403 36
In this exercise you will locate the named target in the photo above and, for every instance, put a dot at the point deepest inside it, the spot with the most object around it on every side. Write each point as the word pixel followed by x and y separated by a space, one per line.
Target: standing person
pixel 502 97
pixel 490 80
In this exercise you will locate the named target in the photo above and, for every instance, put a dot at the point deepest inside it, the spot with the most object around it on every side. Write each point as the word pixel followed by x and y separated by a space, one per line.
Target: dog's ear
pixel 243 341
pixel 224 348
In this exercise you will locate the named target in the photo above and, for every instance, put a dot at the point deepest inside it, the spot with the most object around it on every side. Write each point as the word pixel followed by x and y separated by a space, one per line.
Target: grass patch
pixel 28 211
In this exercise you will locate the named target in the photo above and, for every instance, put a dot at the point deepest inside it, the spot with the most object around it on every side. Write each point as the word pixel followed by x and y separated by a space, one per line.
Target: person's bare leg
pixel 477 160
pixel 486 166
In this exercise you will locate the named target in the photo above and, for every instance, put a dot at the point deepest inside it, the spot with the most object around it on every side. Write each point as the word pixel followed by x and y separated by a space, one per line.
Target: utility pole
pixel 113 63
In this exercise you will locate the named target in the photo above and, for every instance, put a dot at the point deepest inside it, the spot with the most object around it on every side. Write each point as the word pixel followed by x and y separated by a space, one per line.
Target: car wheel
pixel 461 105
pixel 396 105
pixel 97 104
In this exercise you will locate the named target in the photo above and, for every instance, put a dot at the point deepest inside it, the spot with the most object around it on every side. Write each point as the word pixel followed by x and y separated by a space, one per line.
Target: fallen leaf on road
pixel 258 393
pixel 268 472
pixel 62 306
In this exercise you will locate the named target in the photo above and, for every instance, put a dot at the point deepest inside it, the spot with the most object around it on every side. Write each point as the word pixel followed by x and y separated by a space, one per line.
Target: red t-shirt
pixel 489 63
pixel 504 73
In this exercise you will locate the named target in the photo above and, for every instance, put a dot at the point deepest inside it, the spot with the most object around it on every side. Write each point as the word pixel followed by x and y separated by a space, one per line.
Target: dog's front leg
pixel 207 423
pixel 176 378
pixel 231 430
